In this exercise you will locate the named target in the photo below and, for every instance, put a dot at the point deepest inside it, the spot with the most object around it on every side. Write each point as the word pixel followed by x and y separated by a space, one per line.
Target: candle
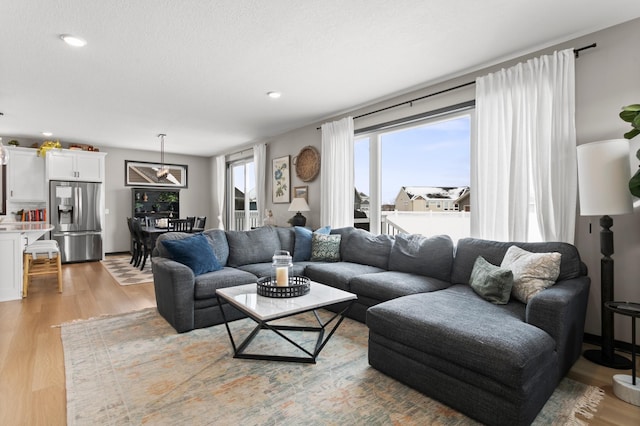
pixel 282 276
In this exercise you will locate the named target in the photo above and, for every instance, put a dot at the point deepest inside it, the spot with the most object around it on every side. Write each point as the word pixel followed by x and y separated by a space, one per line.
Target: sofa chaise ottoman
pixel 498 364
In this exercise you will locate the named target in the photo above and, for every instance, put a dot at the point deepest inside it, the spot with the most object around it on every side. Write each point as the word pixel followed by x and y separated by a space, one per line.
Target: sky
pixel 436 154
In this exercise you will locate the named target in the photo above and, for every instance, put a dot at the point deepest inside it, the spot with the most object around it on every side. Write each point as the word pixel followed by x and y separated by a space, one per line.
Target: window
pixel 241 195
pixel 415 178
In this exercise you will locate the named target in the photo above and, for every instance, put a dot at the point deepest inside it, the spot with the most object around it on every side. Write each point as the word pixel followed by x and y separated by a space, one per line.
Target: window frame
pixel 374 134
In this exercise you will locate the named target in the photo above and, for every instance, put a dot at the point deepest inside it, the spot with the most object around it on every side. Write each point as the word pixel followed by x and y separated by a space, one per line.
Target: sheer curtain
pixel 526 151
pixel 219 183
pixel 260 161
pixel 336 192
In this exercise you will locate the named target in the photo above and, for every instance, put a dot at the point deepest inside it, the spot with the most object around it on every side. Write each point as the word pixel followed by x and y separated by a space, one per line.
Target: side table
pixel 626 387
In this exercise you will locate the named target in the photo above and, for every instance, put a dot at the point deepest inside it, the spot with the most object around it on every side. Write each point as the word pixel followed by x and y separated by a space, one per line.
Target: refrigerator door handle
pixel 79 203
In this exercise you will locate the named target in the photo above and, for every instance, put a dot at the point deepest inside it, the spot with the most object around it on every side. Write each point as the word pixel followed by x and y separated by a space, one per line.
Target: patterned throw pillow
pixel 491 282
pixel 325 248
pixel 532 272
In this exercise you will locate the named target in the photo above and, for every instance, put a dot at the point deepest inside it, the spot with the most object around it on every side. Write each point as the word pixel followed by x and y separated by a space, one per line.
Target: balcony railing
pixel 240 217
pixel 455 224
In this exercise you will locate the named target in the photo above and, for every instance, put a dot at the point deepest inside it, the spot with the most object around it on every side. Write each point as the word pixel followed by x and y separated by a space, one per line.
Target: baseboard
pixel 594 339
pixel 116 253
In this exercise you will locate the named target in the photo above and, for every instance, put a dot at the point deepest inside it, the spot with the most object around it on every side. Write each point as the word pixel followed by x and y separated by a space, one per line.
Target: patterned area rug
pixel 134 369
pixel 125 273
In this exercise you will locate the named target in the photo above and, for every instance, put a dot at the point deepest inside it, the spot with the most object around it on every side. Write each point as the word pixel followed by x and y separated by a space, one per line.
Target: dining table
pixel 152 233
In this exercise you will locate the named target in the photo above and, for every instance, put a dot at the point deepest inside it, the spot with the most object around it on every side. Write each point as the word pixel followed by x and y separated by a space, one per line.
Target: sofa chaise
pixel 428 327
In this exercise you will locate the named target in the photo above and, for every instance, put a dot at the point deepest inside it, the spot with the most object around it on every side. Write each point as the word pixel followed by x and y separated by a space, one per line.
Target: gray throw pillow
pixel 325 248
pixel 491 282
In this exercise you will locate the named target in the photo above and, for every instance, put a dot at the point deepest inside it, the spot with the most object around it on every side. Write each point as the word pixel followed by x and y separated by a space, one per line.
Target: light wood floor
pixel 32 381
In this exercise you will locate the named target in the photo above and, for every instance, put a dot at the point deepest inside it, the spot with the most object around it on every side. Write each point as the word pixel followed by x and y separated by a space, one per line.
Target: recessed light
pixel 73 40
pixel 47 134
pixel 274 95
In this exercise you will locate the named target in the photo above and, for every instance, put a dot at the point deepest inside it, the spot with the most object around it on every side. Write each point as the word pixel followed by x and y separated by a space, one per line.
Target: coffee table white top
pixel 246 298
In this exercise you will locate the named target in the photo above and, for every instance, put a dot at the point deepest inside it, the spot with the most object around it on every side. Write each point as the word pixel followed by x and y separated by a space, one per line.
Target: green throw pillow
pixel 491 282
pixel 325 248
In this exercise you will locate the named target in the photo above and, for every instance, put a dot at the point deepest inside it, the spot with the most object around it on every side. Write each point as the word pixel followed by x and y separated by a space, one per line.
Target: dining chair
pixel 179 225
pixel 199 224
pixel 192 222
pixel 144 249
pixel 135 246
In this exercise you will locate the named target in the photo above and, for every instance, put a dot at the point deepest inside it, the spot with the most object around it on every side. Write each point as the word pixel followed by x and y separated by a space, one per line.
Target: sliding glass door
pixel 241 195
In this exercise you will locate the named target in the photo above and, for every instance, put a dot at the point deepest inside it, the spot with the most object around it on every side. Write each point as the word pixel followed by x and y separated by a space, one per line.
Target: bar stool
pixel 42 257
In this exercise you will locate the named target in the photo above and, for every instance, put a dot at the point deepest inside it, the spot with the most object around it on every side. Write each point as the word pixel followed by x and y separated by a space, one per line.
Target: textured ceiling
pixel 198 70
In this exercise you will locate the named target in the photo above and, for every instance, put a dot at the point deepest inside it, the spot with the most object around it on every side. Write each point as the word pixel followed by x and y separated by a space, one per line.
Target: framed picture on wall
pixel 301 192
pixel 281 179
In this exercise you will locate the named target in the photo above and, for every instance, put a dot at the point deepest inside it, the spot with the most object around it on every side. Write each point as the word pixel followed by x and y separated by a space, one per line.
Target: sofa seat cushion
pixel 265 269
pixel 207 284
pixel 470 333
pixel 338 274
pixel 388 285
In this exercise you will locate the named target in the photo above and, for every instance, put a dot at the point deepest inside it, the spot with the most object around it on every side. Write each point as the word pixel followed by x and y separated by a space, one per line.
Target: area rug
pixel 125 273
pixel 135 369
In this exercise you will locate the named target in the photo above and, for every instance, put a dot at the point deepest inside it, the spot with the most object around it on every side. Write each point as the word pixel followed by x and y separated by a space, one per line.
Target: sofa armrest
pixel 560 310
pixel 174 285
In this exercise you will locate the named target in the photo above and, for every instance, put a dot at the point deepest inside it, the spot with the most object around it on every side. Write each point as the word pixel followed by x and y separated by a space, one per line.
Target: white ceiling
pixel 199 70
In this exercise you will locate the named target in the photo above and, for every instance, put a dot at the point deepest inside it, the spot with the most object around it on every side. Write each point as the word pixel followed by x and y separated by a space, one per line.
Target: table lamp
pixel 298 205
pixel 603 179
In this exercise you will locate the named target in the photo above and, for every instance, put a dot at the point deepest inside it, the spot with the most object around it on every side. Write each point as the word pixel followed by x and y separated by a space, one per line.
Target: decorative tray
pixel 298 286
pixel 307 163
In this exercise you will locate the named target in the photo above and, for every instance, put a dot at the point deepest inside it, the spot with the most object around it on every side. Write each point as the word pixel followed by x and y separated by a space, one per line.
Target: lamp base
pixel 298 220
pixel 615 361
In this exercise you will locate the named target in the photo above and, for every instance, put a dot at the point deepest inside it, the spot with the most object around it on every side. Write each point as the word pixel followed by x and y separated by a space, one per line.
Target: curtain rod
pixel 575 51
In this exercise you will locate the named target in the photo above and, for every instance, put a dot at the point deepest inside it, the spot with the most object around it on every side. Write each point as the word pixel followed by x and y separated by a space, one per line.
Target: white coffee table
pixel 264 310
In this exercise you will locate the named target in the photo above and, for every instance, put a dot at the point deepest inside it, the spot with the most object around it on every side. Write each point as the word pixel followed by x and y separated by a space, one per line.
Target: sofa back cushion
pixel 287 238
pixel 365 248
pixel 468 249
pixel 428 256
pixel 255 246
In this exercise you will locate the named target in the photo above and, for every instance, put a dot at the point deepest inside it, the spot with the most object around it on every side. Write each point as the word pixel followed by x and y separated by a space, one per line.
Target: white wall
pixel 194 200
pixel 607 77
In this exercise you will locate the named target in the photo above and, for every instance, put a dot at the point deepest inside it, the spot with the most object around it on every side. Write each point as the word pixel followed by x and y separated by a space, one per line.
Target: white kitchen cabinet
pixel 26 176
pixel 75 165
pixel 11 246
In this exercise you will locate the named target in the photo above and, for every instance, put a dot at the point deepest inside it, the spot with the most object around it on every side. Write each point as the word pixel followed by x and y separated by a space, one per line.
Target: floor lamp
pixel 603 179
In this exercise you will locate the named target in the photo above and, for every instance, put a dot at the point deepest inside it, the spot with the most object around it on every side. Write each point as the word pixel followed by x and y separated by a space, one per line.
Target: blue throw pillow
pixel 195 252
pixel 302 245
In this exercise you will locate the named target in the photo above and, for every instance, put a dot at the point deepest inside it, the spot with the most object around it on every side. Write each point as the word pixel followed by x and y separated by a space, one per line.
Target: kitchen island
pixel 14 237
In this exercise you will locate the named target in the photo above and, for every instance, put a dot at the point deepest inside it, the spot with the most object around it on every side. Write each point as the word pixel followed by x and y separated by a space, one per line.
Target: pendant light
pixel 4 154
pixel 162 171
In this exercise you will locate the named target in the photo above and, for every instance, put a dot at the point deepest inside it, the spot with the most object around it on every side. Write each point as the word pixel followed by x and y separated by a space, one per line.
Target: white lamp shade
pixel 603 178
pixel 299 205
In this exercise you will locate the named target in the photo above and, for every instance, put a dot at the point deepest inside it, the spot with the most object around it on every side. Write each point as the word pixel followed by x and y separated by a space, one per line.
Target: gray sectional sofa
pixel 428 328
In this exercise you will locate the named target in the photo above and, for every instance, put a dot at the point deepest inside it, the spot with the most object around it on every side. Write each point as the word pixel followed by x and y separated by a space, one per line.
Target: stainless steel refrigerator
pixel 75 213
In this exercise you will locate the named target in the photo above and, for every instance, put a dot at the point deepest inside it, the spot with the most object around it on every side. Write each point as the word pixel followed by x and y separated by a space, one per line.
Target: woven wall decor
pixel 307 163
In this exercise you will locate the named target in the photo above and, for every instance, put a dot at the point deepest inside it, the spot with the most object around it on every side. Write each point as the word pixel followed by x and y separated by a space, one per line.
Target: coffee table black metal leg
pixel 311 359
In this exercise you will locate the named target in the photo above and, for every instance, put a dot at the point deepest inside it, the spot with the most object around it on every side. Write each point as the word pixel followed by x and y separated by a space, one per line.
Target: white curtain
pixel 525 168
pixel 260 161
pixel 336 191
pixel 219 183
